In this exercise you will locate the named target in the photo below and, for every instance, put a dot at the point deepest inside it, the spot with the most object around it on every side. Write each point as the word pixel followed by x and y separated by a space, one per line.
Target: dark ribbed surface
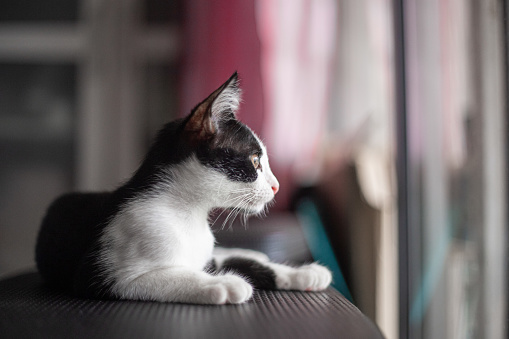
pixel 28 309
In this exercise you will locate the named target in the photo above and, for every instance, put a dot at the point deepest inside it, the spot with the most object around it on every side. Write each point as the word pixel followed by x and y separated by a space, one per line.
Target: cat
pixel 150 239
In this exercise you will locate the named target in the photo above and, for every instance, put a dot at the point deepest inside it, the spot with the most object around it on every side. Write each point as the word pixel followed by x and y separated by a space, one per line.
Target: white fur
pixel 312 277
pixel 228 100
pixel 156 246
pixel 270 179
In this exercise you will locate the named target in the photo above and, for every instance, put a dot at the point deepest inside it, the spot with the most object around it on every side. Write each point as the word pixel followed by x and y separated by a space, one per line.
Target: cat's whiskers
pixel 228 209
pixel 241 190
pixel 230 212
pixel 238 208
pixel 244 193
pixel 242 210
pixel 246 215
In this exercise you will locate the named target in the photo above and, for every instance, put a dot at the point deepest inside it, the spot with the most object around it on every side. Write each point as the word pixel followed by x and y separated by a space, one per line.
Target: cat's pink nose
pixel 275 189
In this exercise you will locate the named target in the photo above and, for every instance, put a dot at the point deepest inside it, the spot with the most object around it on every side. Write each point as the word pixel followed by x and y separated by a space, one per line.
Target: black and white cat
pixel 150 239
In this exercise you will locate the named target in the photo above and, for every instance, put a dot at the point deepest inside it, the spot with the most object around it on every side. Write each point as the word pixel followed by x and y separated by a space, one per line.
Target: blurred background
pixel 385 120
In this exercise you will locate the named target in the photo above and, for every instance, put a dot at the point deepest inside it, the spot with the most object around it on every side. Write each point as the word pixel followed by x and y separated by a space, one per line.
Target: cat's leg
pixel 180 284
pixel 264 274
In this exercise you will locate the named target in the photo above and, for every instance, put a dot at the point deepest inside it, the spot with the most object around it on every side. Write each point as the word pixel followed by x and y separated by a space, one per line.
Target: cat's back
pixel 71 225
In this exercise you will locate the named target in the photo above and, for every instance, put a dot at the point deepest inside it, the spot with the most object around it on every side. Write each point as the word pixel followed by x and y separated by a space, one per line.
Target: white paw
pixel 312 277
pixel 227 289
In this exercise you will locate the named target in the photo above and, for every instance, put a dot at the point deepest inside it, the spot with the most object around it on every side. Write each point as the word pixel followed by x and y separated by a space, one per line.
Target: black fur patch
pixel 230 151
pixel 170 147
pixel 236 166
pixel 210 267
pixel 68 233
pixel 259 275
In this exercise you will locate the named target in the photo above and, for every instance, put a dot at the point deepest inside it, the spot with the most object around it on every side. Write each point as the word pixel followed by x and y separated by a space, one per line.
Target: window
pixel 452 226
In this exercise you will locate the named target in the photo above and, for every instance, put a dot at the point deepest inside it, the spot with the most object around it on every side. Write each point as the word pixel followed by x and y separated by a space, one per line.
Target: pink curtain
pixel 283 50
pixel 220 37
pixel 298 48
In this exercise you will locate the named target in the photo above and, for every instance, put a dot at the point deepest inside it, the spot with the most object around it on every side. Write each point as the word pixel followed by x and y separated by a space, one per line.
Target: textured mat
pixel 28 309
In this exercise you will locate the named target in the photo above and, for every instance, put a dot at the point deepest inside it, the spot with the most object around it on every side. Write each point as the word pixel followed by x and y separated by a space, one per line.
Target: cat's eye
pixel 255 159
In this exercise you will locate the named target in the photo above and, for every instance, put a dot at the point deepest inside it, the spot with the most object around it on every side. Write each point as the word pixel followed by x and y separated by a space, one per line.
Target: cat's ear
pixel 222 105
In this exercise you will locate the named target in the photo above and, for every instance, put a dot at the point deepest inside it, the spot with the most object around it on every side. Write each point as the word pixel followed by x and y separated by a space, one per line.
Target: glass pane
pixel 160 97
pixel 37 118
pixel 163 12
pixel 42 10
pixel 457 192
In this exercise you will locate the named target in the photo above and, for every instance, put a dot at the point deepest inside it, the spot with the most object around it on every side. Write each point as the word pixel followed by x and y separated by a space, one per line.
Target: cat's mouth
pixel 251 210
pixel 251 205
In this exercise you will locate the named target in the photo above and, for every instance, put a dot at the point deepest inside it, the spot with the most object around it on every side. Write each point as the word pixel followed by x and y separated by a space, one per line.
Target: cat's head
pixel 228 147
pixel 222 155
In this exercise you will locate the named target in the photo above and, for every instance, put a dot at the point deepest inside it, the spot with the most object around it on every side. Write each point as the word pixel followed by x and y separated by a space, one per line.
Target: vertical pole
pixel 401 168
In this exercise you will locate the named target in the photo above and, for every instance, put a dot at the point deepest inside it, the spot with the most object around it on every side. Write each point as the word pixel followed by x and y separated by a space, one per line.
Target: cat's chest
pixel 151 234
pixel 178 241
pixel 192 246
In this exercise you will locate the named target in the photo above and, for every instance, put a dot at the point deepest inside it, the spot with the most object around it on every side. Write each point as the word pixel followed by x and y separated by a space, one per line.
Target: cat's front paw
pixel 229 289
pixel 312 277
